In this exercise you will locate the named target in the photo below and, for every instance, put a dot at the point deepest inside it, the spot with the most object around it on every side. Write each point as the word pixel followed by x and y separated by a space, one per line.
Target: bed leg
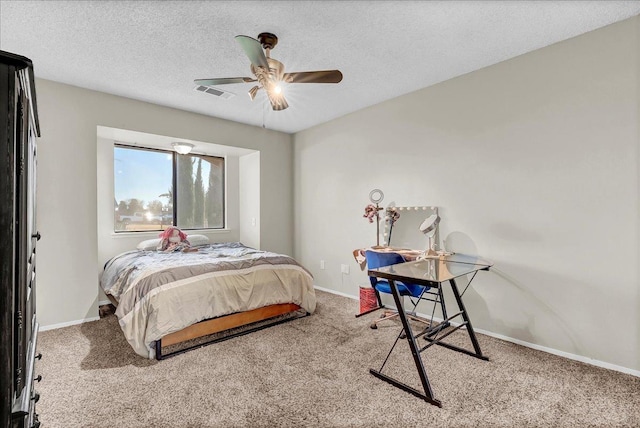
pixel 159 349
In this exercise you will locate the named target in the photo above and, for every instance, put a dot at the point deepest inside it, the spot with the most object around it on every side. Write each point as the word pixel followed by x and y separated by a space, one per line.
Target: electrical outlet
pixel 253 221
pixel 322 264
pixel 344 269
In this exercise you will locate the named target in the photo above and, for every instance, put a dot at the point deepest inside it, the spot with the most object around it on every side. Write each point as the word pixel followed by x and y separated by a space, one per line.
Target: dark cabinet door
pixel 7 266
pixel 18 329
pixel 21 317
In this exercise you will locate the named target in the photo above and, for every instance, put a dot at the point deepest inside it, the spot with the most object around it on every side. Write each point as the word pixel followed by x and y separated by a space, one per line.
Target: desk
pixel 432 272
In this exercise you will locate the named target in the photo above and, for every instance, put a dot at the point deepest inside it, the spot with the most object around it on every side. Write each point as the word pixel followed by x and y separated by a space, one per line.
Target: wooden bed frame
pixel 223 323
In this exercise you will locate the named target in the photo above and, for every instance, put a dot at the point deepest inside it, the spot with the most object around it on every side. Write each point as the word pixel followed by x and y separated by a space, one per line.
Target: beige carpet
pixel 313 372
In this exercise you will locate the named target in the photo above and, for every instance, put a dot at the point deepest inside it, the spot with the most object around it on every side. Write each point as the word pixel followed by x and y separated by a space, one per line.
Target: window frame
pixel 174 185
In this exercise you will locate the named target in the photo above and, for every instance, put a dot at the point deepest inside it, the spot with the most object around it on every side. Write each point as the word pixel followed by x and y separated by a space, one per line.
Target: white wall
pixel 68 262
pixel 534 163
pixel 249 193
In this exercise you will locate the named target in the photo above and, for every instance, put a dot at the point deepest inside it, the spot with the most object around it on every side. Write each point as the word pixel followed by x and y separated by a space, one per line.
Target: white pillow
pixel 152 244
pixel 197 240
pixel 149 244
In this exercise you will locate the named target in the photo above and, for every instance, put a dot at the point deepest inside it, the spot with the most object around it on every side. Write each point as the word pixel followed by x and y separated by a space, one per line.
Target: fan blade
pixel 325 76
pixel 254 51
pixel 223 81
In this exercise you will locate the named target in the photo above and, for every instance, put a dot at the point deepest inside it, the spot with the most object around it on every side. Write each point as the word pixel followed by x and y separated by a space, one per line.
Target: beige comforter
pixel 160 293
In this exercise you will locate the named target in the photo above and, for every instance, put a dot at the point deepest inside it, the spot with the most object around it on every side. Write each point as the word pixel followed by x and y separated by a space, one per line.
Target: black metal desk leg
pixel 465 316
pixel 428 393
pixel 443 304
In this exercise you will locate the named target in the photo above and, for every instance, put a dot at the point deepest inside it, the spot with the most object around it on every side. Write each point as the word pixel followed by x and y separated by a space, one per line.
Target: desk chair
pixel 415 292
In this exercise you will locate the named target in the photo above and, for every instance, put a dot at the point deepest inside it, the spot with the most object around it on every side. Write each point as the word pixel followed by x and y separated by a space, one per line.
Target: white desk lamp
pixel 429 227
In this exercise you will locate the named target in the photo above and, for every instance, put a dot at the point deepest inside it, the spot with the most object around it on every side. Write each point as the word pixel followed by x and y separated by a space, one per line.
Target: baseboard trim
pixel 563 354
pixel 339 293
pixel 67 324
pixel 75 322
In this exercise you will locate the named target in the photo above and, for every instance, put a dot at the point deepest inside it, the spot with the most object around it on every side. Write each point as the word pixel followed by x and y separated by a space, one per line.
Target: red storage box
pixel 368 300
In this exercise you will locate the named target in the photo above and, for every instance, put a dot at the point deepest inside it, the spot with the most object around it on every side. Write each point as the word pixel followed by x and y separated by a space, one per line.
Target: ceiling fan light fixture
pixel 278 102
pixel 182 148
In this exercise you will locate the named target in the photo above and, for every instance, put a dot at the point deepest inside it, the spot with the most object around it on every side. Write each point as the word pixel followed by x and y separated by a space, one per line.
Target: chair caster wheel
pixel 374 326
pixel 403 336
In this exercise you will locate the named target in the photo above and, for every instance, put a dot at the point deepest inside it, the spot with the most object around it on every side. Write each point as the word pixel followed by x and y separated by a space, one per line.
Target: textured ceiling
pixel 152 50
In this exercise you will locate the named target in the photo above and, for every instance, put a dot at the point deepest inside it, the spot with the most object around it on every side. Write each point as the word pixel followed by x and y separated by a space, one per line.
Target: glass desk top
pixel 465 258
pixel 437 269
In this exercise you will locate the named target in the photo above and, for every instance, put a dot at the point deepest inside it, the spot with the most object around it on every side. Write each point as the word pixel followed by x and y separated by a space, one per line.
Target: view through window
pixel 144 185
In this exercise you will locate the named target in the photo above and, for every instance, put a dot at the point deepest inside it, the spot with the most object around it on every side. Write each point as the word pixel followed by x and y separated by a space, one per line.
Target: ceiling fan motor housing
pixel 276 68
pixel 268 40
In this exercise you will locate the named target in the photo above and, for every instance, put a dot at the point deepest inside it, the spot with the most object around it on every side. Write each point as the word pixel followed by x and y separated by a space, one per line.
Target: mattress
pixel 161 293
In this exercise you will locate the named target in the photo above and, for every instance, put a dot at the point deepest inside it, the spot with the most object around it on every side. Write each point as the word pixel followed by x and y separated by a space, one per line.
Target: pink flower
pixel 371 212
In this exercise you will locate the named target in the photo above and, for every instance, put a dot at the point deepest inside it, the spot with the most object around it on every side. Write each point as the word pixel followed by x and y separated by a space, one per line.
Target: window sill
pixel 155 233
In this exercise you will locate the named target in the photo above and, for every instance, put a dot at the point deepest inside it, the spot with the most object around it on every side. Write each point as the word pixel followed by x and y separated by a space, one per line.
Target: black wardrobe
pixel 18 238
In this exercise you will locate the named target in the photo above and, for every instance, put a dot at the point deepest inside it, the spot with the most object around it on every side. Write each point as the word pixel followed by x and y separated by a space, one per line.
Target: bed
pixel 163 299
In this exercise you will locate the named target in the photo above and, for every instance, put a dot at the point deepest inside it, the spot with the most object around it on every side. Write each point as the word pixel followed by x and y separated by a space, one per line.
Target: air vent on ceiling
pixel 214 91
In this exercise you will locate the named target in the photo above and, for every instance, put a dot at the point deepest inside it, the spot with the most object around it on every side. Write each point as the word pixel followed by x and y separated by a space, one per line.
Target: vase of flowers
pixel 391 215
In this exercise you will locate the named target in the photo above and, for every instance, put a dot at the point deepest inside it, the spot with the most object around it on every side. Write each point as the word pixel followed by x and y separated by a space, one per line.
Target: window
pixel 144 196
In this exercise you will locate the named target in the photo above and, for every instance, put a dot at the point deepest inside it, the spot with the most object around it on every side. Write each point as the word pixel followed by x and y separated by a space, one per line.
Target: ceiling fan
pixel 269 72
